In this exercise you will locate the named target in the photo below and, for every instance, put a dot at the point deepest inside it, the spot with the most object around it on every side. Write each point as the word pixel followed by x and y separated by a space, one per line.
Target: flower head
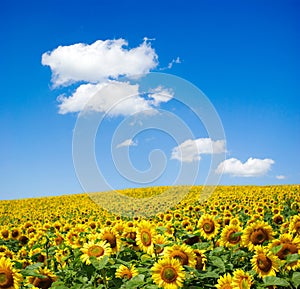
pixel 168 273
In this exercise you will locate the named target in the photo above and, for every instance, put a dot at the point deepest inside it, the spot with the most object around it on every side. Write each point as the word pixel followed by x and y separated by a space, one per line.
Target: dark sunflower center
pixel 111 239
pixel 208 227
pixel 199 260
pixel 158 248
pixel 95 251
pixel 181 256
pixel 278 220
pixel 5 234
pixel 127 274
pixel 232 238
pixel 6 279
pixel 169 274
pixel 41 258
pixel 297 227
pixel 259 236
pixel 15 233
pixel 264 263
pixel 131 236
pixel 287 248
pixel 192 240
pixel 43 283
pixel 146 238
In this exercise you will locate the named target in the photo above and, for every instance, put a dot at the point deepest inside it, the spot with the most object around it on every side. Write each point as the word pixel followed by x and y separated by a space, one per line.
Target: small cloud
pixel 99 61
pixel 127 143
pixel 160 94
pixel 281 177
pixel 177 61
pixel 191 150
pixel 251 168
pixel 170 64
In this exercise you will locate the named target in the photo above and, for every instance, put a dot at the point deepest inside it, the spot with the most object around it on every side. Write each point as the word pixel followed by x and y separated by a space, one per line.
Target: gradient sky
pixel 244 55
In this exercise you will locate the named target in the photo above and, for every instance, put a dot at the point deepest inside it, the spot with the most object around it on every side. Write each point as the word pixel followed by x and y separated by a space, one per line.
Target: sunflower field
pixel 240 237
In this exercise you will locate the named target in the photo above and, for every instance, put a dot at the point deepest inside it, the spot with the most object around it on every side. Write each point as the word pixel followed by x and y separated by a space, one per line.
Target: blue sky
pixel 244 56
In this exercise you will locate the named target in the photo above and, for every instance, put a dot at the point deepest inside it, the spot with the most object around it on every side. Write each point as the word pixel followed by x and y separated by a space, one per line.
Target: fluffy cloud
pixel 99 65
pixel 191 150
pixel 251 168
pixel 99 61
pixel 112 97
pixel 281 177
pixel 127 143
pixel 159 95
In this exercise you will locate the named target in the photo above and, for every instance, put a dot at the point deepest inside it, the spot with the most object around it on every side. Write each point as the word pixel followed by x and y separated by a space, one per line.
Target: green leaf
pixel 145 257
pixel 237 234
pixel 272 280
pixel 218 262
pixel 217 251
pixel 296 279
pixel 209 274
pixel 59 285
pixel 134 283
pixel 151 286
pixel 34 266
pixel 99 264
pixel 276 249
pixel 291 258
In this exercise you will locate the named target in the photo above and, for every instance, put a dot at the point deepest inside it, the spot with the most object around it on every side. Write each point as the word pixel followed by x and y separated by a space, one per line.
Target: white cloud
pixel 114 98
pixel 160 94
pixel 191 150
pixel 127 143
pixel 251 168
pixel 99 61
pixel 177 61
pixel 281 177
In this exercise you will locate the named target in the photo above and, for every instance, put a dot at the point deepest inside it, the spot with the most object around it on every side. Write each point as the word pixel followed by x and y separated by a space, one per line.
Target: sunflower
pixel 10 278
pixel 288 245
pixel 111 236
pixel 294 227
pixel 45 282
pixel 119 227
pixel 257 233
pixel 38 255
pixel 23 240
pixel 95 249
pixel 15 233
pixel 73 239
pixel 168 273
pixel 5 252
pixel 124 272
pixel 61 256
pixel 264 263
pixel 129 236
pixel 224 282
pixel 5 233
pixel 230 236
pixel 145 237
pixel 160 241
pixel 58 240
pixel 168 217
pixel 241 280
pixel 208 226
pixel 278 219
pixel 200 260
pixel 183 253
